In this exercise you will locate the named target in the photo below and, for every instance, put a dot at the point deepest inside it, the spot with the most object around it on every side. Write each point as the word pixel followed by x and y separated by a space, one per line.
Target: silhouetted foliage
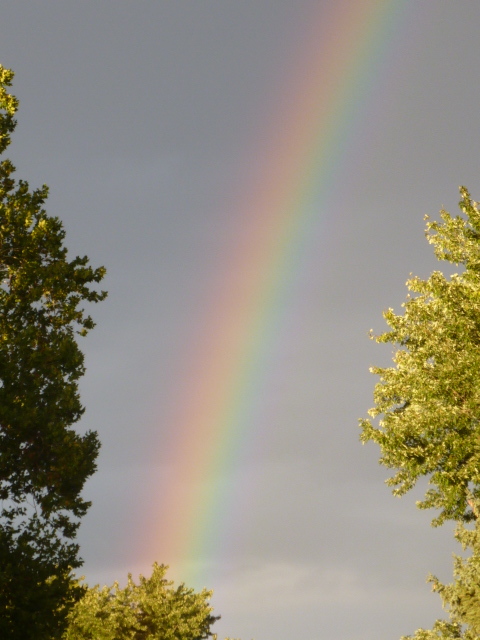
pixel 44 463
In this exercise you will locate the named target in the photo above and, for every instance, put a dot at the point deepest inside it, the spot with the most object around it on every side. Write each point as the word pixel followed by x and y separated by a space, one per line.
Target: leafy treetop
pixel 44 462
pixel 153 608
pixel 426 417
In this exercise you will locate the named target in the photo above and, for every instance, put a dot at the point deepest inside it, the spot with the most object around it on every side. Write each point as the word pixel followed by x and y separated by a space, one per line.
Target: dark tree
pixel 44 462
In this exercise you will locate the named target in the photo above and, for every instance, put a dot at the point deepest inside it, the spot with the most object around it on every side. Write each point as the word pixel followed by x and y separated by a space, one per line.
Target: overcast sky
pixel 150 121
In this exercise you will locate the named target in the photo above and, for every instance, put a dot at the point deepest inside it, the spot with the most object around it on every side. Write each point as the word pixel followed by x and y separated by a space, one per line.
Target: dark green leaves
pixel 44 463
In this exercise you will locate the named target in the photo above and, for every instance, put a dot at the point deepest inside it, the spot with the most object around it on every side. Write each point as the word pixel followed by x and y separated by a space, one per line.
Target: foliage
pixel 462 597
pixel 429 403
pixel 151 609
pixel 442 630
pixel 44 463
pixel 426 418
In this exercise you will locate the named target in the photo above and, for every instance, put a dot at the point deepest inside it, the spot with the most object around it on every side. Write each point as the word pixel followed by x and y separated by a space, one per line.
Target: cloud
pixel 264 587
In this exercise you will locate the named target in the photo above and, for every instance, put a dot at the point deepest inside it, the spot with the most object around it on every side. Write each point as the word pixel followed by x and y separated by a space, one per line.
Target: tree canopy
pixel 44 462
pixel 153 608
pixel 426 417
pixel 429 402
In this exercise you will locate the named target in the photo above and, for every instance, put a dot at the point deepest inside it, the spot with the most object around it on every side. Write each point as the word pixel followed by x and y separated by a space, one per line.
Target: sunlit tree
pixel 152 609
pixel 426 418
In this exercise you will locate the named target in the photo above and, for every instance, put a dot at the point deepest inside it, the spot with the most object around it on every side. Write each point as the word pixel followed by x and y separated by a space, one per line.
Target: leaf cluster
pixel 44 462
pixel 426 418
pixel 153 608
pixel 461 598
pixel 427 406
pixel 35 595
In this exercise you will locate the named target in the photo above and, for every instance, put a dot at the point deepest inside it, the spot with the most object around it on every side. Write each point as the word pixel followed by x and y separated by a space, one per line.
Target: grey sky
pixel 142 117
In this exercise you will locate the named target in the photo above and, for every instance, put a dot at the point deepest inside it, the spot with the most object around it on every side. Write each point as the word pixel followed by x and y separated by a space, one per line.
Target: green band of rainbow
pixel 341 65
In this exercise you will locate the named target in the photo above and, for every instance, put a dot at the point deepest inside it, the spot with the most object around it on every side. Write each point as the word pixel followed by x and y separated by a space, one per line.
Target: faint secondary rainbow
pixel 324 101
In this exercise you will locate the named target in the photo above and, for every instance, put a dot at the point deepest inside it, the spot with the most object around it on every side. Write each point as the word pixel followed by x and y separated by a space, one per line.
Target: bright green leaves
pixel 153 608
pixel 442 630
pixel 427 406
pixel 44 463
pixel 456 239
pixel 461 598
pixel 426 417
pixel 8 107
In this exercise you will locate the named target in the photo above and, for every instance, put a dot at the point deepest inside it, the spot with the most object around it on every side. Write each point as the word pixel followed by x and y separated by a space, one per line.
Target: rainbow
pixel 331 85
